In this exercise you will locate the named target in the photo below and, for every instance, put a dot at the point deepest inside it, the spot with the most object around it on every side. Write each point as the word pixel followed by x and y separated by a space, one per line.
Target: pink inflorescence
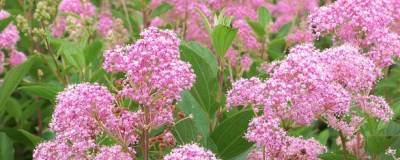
pixel 16 58
pixel 155 76
pixel 364 23
pixel 79 7
pixel 190 151
pixel 114 152
pixel 310 84
pixel 84 111
pixel 275 142
pixel 105 23
pixel 9 37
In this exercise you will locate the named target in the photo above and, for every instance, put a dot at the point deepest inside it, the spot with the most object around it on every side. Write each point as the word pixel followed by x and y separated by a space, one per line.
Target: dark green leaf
pixel 205 67
pixel 190 106
pixel 12 80
pixel 185 132
pixel 222 38
pixel 5 22
pixel 93 52
pixel 276 49
pixel 32 138
pixel 284 30
pixel 258 28
pixel 14 108
pixel 228 136
pixel 47 91
pixel 6 147
pixel 323 137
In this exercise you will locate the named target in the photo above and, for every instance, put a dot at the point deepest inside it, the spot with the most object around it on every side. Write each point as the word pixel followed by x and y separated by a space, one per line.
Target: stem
pixel 145 16
pixel 263 152
pixel 220 78
pixel 343 140
pixel 127 16
pixel 145 132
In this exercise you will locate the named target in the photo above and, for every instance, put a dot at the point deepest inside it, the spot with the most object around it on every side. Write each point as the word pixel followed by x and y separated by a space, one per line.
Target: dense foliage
pixel 199 79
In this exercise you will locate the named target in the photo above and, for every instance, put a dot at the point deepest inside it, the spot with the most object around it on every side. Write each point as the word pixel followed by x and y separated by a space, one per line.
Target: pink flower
pixel 265 132
pixel 114 152
pixel 375 106
pixel 105 24
pixel 82 8
pixel 16 58
pixel 79 108
pixel 300 148
pixel 156 22
pixel 9 37
pixel 190 151
pixel 246 62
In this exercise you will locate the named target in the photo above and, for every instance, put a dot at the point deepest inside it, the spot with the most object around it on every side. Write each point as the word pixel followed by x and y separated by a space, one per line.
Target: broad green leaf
pixel 5 22
pixel 258 28
pixel 32 138
pixel 185 132
pixel 6 147
pixel 323 137
pixel 228 136
pixel 161 9
pixel 93 52
pixel 222 38
pixel 264 17
pixel 14 109
pixel 47 91
pixel 22 137
pixel 190 106
pixel 284 30
pixel 276 49
pixel 205 67
pixel 12 80
pixel 73 54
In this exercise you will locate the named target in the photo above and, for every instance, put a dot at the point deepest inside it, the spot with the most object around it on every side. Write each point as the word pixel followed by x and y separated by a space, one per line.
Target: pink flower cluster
pixel 85 10
pixel 267 134
pixel 82 112
pixel 8 41
pixel 155 76
pixel 364 23
pixel 310 85
pixel 190 151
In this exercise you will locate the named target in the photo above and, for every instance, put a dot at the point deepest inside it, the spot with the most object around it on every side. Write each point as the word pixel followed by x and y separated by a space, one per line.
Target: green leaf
pixel 222 38
pixel 32 138
pixel 228 136
pixel 323 137
pixel 337 155
pixel 73 53
pixel 205 67
pixel 14 108
pixel 22 136
pixel 161 9
pixel 185 132
pixel 264 17
pixel 6 147
pixel 5 22
pixel 93 52
pixel 276 49
pixel 47 91
pixel 284 30
pixel 12 80
pixel 190 106
pixel 258 28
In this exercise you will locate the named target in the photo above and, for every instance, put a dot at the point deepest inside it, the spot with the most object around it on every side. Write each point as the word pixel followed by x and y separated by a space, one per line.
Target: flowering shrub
pixel 199 79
